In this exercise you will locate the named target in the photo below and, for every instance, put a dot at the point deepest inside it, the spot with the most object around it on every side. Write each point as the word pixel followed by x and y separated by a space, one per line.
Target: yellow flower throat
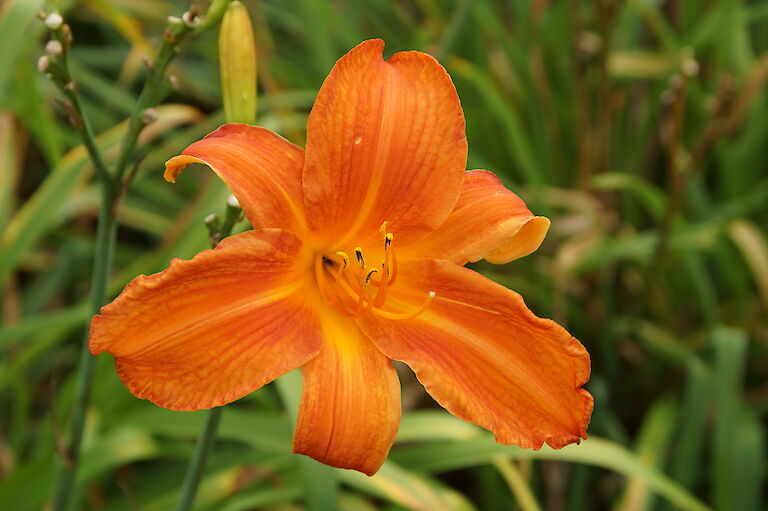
pixel 355 288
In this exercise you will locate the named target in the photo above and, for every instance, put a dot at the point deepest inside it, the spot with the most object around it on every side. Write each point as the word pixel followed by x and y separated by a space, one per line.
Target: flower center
pixel 356 287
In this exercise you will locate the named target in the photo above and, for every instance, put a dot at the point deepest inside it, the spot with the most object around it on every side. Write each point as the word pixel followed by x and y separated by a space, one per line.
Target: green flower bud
pixel 237 63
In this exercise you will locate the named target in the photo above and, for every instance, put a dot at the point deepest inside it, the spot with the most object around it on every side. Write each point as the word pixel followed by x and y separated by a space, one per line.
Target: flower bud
pixel 43 63
pixel 53 21
pixel 237 64
pixel 232 202
pixel 54 48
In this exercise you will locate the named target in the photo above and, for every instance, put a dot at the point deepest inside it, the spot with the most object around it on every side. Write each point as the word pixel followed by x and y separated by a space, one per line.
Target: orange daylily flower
pixel 356 259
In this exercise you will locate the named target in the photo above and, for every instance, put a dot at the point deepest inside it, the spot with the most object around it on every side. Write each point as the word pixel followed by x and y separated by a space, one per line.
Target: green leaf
pixel 442 457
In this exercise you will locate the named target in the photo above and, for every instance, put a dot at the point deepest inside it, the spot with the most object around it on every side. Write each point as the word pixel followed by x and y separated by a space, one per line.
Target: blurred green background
pixel 639 127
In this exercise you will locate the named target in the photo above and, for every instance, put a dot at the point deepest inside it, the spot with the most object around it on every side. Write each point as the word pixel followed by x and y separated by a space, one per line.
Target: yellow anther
pixel 388 240
pixel 360 258
pixel 344 258
pixel 383 228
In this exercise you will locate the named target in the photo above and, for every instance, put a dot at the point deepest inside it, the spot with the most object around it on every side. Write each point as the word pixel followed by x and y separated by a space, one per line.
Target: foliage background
pixel 639 127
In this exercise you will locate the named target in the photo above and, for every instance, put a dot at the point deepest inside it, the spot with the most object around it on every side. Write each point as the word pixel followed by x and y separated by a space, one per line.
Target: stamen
pixel 360 258
pixel 370 274
pixel 344 258
pixel 398 316
pixel 357 292
pixel 393 273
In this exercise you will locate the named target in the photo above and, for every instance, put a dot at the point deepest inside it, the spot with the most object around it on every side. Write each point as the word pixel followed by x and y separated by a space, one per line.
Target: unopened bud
pixel 237 63
pixel 149 116
pixel 232 202
pixel 43 63
pixel 690 67
pixel 54 48
pixel 53 21
pixel 173 81
pixel 191 19
pixel 174 20
pixel 66 35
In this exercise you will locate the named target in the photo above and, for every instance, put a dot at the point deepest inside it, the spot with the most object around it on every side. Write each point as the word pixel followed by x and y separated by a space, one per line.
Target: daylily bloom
pixel 355 259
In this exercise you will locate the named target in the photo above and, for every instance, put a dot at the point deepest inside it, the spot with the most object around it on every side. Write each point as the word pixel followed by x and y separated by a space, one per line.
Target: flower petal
pixel 385 141
pixel 486 358
pixel 210 330
pixel 350 403
pixel 489 221
pixel 262 169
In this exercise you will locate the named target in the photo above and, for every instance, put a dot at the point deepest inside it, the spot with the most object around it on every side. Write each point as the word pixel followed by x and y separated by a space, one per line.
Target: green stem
pixel 111 184
pixel 197 465
pixel 148 97
pixel 105 240
pixel 83 125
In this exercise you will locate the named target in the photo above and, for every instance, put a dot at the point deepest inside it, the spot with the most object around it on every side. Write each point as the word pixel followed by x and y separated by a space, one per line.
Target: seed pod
pixel 237 63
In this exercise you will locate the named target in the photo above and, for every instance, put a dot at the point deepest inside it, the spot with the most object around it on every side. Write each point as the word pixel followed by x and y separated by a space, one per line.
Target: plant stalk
pixel 105 240
pixel 111 191
pixel 197 466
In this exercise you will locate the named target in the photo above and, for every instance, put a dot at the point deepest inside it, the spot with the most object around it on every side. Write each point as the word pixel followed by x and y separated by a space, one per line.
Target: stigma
pixel 361 288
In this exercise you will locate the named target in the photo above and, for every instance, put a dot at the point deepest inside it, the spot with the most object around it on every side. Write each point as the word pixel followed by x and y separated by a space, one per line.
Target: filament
pixel 357 291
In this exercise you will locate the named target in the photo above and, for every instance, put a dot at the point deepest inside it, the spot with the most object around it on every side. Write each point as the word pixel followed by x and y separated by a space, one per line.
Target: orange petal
pixel 488 222
pixel 350 403
pixel 385 141
pixel 486 358
pixel 262 169
pixel 210 330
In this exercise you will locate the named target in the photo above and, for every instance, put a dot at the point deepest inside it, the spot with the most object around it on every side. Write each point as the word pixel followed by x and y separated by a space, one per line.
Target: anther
pixel 360 259
pixel 344 258
pixel 388 240
pixel 383 228
pixel 370 274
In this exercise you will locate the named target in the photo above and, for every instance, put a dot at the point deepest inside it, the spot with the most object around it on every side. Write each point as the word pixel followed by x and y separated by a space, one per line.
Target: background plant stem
pixel 105 240
pixel 111 192
pixel 197 466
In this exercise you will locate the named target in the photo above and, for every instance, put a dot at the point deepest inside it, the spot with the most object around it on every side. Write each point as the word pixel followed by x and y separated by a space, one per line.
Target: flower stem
pixel 112 186
pixel 148 96
pixel 105 240
pixel 197 466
